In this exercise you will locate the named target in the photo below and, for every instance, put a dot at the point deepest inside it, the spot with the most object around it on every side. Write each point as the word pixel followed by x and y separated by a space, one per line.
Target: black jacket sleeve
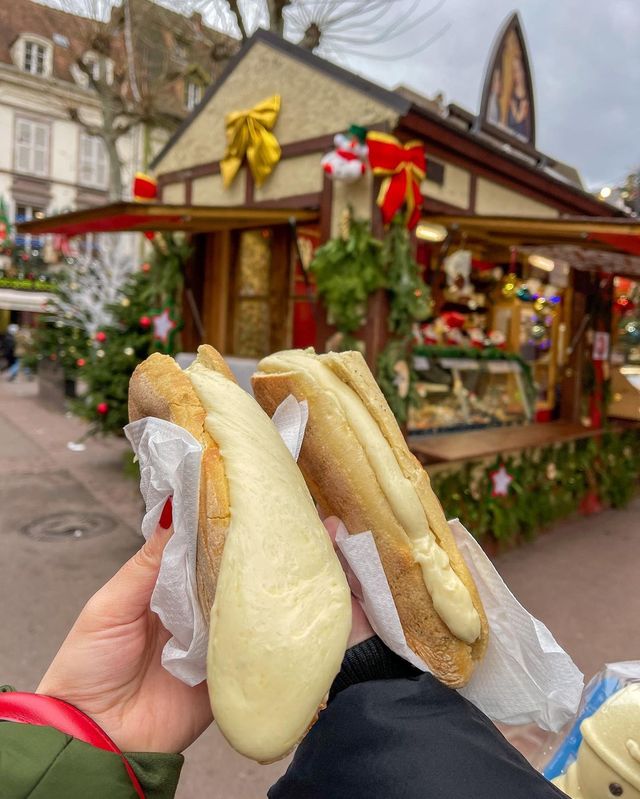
pixel 393 732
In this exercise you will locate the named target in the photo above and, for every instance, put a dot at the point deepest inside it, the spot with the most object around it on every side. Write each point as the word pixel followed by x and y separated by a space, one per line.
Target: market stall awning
pixel 609 244
pixel 35 301
pixel 140 217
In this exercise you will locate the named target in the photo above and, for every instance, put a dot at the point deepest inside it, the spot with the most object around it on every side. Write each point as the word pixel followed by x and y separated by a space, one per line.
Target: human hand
pixel 109 665
pixel 360 627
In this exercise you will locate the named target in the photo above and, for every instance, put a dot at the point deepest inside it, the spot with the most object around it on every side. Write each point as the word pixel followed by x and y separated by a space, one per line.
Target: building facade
pixel 52 156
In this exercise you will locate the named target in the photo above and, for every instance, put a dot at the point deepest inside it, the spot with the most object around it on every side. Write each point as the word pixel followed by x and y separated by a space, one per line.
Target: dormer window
pixel 192 94
pixel 33 54
pixel 35 58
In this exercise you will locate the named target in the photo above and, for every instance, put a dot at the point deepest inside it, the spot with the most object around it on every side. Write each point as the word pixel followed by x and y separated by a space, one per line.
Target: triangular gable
pixel 507 96
pixel 317 98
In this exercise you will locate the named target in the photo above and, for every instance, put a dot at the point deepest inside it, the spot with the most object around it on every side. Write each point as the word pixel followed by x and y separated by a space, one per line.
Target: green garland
pixel 409 296
pixel 26 284
pixel 347 271
pixel 549 483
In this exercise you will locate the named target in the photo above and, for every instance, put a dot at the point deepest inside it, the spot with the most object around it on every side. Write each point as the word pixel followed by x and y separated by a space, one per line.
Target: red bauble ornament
pixel 149 234
pixel 80 362
pixel 145 267
pixel 144 321
pixel 102 408
pixel 101 336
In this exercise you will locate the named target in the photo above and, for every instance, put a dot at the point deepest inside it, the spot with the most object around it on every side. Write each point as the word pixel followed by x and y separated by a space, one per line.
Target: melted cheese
pixel 282 610
pixel 451 598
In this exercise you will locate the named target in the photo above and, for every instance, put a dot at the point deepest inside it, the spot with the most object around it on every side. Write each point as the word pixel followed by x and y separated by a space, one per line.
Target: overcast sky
pixel 585 57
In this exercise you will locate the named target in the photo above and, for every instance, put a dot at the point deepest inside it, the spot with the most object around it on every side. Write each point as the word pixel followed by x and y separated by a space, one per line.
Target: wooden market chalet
pixel 487 190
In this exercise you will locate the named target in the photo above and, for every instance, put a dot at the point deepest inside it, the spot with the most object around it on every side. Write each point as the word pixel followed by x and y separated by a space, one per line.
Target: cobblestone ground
pixel 580 578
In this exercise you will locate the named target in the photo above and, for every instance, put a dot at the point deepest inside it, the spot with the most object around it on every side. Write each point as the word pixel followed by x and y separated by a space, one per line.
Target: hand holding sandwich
pixel 109 664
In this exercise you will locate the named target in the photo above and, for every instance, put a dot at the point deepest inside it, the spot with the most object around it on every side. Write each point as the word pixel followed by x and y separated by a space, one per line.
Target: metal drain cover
pixel 69 525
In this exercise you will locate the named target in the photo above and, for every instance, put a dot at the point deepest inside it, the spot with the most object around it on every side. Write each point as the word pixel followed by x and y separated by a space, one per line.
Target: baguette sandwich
pixel 358 467
pixel 268 579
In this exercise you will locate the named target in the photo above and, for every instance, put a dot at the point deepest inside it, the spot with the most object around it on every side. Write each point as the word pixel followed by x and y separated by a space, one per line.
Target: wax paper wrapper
pixel 525 677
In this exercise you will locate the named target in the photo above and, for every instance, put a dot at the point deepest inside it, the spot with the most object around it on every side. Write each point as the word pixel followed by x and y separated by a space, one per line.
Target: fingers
pixel 128 593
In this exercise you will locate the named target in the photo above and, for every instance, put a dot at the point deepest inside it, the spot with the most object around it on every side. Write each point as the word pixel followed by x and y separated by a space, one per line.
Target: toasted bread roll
pixel 268 579
pixel 358 467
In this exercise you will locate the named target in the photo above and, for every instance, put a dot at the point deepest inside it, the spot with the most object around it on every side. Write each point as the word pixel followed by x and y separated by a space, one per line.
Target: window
pixel 94 170
pixel 193 94
pixel 32 147
pixel 35 58
pixel 24 213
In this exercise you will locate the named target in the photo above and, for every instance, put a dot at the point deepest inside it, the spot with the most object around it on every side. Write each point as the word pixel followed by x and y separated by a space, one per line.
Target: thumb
pixel 128 593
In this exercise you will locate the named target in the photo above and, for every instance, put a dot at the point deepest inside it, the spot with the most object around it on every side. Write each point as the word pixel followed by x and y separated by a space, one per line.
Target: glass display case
pixel 468 393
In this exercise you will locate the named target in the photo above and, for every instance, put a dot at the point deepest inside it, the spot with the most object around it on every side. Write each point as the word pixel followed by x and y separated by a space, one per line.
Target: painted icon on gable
pixel 507 97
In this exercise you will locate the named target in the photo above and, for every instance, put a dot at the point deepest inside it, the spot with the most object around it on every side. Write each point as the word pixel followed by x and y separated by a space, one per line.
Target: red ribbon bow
pixel 404 167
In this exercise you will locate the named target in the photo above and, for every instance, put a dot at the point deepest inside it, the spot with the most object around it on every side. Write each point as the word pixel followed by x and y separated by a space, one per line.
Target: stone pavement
pixel 580 579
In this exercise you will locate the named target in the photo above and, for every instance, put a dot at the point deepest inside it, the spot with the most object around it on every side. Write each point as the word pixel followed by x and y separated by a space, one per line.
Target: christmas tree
pixel 145 319
pixel 84 296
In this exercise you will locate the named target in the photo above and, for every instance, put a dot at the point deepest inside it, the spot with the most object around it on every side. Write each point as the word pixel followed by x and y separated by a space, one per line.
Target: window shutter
pixel 23 145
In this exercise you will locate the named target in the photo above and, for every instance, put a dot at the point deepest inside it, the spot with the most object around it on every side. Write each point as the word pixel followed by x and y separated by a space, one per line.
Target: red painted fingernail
pixel 166 516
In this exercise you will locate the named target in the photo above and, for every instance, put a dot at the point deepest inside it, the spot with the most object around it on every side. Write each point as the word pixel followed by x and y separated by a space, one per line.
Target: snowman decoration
pixel 608 761
pixel 348 161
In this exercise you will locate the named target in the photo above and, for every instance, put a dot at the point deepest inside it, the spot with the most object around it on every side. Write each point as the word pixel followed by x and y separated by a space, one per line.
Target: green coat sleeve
pixel 44 763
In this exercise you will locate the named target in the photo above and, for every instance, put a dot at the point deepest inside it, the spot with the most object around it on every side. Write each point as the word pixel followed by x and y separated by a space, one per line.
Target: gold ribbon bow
pixel 248 134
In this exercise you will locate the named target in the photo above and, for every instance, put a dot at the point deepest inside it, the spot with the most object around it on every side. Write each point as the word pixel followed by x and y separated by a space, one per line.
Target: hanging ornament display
pixel 540 304
pixel 403 167
pixel 145 267
pixel 509 286
pixel 125 302
pixel 128 351
pixel 101 336
pixel 80 362
pixel 144 322
pixel 501 480
pixel 347 162
pixel 249 136
pixel 623 304
pixel 165 325
pixel 102 408
pixel 100 353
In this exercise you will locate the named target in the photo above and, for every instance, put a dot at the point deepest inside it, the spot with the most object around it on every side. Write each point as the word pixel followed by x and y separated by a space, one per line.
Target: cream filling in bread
pixel 451 598
pixel 282 610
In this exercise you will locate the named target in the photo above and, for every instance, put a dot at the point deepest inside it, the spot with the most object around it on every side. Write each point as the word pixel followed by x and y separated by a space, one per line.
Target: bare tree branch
pixel 235 10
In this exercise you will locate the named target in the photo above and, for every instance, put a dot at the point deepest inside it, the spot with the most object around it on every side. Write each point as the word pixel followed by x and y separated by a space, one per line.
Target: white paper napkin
pixel 169 459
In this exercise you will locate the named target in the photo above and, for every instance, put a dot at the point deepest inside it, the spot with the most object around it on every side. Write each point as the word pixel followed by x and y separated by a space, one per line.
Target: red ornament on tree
pixel 101 336
pixel 102 408
pixel 145 267
pixel 144 321
pixel 80 362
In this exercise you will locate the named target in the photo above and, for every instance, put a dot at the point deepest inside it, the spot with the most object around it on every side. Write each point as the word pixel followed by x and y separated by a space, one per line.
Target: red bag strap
pixel 46 711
